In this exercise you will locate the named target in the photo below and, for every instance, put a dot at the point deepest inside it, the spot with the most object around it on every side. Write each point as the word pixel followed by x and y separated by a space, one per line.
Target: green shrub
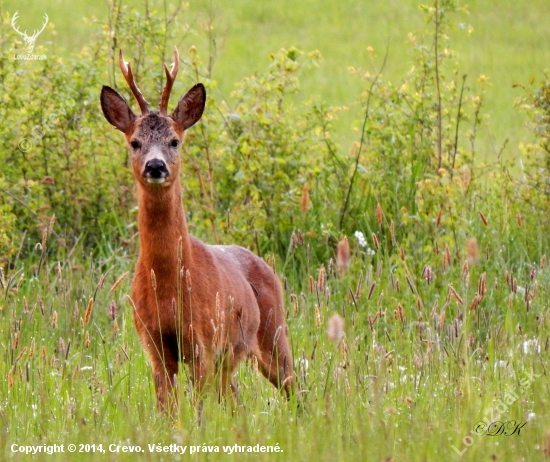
pixel 265 168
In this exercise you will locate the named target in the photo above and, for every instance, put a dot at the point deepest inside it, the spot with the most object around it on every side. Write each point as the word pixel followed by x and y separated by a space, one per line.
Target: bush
pixel 264 169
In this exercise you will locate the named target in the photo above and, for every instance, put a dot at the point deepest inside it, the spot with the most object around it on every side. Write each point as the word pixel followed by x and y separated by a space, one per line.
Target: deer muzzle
pixel 155 171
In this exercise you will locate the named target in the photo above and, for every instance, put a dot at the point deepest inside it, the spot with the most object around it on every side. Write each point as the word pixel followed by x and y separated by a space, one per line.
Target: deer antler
pixel 37 33
pixel 170 78
pixel 129 76
pixel 15 27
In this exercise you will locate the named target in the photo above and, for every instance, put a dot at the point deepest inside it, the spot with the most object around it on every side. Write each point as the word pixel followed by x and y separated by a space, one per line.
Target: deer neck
pixel 163 231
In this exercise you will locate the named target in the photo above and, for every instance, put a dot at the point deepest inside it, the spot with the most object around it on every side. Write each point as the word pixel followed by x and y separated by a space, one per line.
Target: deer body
pixel 206 305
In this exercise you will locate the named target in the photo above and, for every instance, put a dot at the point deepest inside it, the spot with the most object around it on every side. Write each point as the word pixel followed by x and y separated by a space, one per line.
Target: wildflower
pixel 361 240
pixel 335 329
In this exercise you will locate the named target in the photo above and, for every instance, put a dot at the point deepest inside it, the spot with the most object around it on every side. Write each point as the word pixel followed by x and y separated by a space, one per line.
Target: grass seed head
pixel 112 311
pixel 343 256
pixel 317 316
pixel 335 329
pixel 321 278
pixel 305 198
pixel 427 274
pixel 483 219
pixel 153 280
pixel 118 282
pixel 472 251
pixel 88 313
pixel 379 215
pixel 15 341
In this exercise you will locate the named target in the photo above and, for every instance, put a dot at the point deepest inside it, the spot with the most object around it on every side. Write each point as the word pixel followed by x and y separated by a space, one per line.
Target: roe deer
pixel 209 306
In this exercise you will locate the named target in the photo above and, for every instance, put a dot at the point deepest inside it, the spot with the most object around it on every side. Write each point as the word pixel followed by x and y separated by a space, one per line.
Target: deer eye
pixel 174 143
pixel 135 144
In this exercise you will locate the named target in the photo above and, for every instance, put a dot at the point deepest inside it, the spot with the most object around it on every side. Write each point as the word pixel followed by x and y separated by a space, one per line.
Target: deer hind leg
pixel 275 363
pixel 275 357
pixel 228 391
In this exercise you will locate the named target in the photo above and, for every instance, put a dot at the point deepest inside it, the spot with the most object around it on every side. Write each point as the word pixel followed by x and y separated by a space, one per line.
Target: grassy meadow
pixel 412 248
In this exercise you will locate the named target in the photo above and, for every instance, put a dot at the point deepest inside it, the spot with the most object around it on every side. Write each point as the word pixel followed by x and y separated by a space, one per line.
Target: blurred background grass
pixel 509 44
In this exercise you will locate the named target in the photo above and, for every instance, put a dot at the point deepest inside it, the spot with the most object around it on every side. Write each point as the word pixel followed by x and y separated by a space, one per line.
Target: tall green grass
pixel 399 351
pixel 430 342
pixel 509 44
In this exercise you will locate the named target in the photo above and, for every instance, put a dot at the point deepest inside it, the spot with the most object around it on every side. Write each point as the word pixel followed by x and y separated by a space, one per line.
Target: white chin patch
pixel 156 180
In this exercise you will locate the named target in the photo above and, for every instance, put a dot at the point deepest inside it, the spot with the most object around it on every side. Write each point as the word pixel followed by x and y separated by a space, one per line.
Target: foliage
pixel 534 186
pixel 440 281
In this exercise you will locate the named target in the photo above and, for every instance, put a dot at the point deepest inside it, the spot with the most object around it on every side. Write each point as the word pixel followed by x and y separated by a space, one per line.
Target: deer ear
pixel 116 109
pixel 190 107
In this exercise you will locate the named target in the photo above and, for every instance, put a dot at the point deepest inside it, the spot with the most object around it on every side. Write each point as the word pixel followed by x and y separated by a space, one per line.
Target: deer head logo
pixel 29 40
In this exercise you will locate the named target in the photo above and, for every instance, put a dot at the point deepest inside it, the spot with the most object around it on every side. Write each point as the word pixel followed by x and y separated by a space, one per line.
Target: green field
pixel 431 342
pixel 509 44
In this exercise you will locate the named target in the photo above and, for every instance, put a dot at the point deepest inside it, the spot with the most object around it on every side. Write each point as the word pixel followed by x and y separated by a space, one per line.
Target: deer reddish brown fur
pixel 209 306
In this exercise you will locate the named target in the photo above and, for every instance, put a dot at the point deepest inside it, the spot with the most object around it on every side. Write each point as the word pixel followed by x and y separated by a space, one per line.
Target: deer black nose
pixel 155 168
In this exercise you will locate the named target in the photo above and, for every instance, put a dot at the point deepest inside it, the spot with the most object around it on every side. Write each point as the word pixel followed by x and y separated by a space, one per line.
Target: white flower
pixel 360 239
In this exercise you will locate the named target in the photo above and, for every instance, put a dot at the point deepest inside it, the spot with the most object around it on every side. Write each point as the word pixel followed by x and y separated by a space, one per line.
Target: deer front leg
pixel 163 355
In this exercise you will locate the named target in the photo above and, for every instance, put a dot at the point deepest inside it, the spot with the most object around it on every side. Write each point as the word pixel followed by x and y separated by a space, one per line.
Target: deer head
pixel 29 40
pixel 154 137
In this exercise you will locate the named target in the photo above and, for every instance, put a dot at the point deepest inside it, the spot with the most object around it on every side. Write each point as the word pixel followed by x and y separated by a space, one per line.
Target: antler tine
pixel 129 76
pixel 170 78
pixel 14 18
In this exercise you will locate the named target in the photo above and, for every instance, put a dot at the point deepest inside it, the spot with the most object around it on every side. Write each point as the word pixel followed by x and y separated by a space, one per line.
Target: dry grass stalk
pixel 294 300
pixel 32 349
pixel 371 290
pixel 343 256
pixel 15 341
pixel 518 219
pixel 392 234
pixel 472 251
pixel 483 219
pixel 88 313
pixel 317 316
pixel 118 282
pixel 153 280
pixel 410 284
pixel 375 241
pixel 112 311
pixel 10 378
pixel 475 302
pixel 20 355
pixel 441 319
pixel 427 274
pixel 454 293
pixel 321 278
pixel 62 346
pixel 399 313
pixel 482 285
pixel 305 198
pixel 379 215
pixel 54 319
pixel 335 329
pixel 343 347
